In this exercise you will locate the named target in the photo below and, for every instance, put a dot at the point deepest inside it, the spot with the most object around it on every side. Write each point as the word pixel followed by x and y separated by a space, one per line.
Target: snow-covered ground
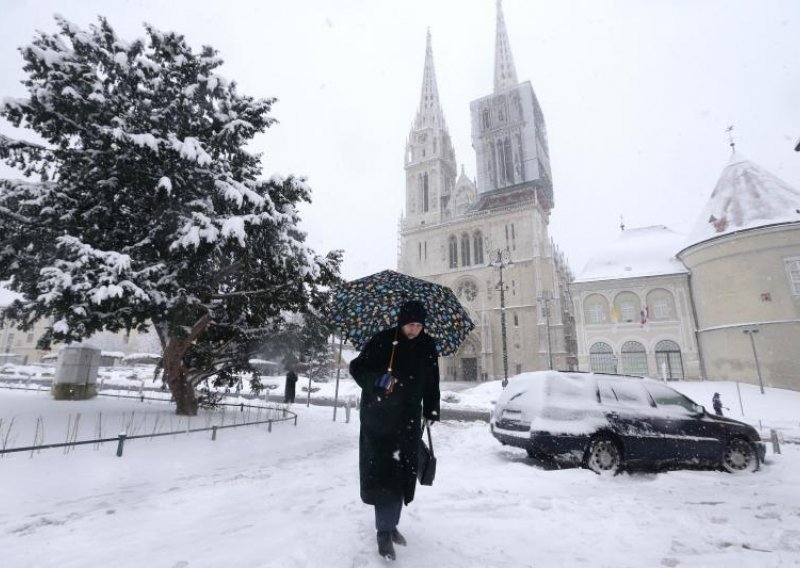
pixel 289 498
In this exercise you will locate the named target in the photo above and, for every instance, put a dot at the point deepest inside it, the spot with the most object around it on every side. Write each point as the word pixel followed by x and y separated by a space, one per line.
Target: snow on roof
pixel 645 251
pixel 746 196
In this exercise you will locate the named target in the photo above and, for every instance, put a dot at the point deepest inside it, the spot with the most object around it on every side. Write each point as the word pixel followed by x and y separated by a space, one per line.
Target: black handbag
pixel 426 461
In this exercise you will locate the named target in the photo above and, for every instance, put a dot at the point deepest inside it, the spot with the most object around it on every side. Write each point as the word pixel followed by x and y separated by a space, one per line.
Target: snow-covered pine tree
pixel 147 207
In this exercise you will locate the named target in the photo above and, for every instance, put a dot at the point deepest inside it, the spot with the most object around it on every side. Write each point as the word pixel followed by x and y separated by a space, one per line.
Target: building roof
pixel 746 196
pixel 646 251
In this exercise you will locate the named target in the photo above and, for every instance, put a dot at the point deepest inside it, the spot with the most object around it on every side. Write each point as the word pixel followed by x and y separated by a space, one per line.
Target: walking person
pixel 289 387
pixel 717 404
pixel 398 373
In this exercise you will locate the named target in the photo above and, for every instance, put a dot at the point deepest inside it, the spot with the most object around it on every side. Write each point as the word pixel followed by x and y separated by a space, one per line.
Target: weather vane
pixel 731 143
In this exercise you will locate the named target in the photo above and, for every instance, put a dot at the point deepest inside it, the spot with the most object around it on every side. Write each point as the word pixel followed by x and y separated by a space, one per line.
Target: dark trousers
pixel 387 515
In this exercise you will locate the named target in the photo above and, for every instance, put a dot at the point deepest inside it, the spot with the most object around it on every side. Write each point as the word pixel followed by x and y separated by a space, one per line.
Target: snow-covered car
pixel 608 422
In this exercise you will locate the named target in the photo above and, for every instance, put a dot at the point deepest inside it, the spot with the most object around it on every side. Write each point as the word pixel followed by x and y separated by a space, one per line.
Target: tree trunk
pixel 175 370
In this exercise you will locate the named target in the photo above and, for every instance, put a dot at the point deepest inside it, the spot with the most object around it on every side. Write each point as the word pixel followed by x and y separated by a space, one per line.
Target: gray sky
pixel 636 96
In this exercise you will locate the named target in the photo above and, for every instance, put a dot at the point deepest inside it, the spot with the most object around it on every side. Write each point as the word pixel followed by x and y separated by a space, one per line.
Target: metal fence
pixel 276 415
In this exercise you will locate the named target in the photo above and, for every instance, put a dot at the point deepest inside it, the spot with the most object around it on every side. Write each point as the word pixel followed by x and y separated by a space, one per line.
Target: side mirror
pixel 699 409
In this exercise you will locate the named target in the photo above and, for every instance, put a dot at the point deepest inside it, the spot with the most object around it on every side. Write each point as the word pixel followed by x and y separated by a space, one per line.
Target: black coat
pixel 391 424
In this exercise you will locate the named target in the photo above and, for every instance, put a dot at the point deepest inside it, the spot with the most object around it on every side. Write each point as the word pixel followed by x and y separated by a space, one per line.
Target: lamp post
pixel 502 261
pixel 544 298
pixel 750 332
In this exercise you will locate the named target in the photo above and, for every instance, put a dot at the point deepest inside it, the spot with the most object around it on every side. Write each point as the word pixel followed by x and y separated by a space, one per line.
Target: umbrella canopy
pixel 364 307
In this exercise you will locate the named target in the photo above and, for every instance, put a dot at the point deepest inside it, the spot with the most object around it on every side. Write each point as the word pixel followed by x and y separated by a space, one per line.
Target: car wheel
pixel 604 456
pixel 739 455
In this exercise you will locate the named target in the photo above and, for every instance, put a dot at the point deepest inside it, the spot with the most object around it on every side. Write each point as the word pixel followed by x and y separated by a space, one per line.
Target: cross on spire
pixel 731 143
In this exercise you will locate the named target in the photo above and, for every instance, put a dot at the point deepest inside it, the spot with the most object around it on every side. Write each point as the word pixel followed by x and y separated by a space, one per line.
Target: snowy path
pixel 290 499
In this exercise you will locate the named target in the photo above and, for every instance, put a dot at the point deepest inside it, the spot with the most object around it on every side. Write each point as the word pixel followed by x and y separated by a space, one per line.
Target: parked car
pixel 609 422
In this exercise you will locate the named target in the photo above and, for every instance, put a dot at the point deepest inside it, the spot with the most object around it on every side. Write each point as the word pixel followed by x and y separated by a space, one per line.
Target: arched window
pixel 453 251
pixel 661 305
pixel 595 309
pixel 627 308
pixel 634 358
pixel 669 362
pixel 465 257
pixel 601 358
pixel 477 248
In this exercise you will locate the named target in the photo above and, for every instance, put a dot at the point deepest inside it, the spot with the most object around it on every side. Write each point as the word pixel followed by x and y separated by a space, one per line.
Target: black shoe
pixel 385 546
pixel 398 538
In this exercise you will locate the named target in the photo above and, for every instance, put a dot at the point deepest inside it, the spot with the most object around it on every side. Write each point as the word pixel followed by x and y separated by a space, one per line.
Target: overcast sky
pixel 636 96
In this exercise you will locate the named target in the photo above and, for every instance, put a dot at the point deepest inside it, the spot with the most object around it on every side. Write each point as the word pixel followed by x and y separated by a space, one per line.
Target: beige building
pixel 19 346
pixel 723 303
pixel 633 309
pixel 744 258
pixel 473 235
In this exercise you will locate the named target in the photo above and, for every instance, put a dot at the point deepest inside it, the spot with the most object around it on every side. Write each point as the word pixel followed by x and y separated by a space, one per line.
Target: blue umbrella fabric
pixel 364 307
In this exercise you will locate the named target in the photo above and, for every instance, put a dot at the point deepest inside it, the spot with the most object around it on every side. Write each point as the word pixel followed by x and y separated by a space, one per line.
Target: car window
pixel 630 393
pixel 606 392
pixel 670 399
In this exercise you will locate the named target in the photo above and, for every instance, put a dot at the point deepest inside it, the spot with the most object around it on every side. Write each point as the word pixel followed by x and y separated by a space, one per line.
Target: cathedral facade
pixel 488 239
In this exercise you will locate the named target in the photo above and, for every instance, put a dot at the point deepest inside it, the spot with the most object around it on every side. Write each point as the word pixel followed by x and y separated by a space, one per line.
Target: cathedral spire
pixel 505 74
pixel 430 111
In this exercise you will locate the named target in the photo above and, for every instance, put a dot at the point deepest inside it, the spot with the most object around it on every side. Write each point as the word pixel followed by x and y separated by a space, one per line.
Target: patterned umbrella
pixel 364 307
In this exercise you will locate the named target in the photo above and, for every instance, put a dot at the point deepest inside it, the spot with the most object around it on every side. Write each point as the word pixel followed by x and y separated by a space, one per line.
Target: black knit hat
pixel 411 312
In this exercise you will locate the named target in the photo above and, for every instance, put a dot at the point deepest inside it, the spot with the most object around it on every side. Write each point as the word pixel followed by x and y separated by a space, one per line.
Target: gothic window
pixel 425 193
pixel 634 358
pixel 507 247
pixel 669 364
pixel 477 248
pixel 453 251
pixel 493 176
pixel 513 238
pixel 465 256
pixel 601 358
pixel 420 250
pixel 516 320
pixel 508 162
pixel 426 250
pixel 485 119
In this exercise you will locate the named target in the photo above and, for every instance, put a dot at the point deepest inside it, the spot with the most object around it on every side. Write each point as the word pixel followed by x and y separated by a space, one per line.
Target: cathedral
pixel 487 239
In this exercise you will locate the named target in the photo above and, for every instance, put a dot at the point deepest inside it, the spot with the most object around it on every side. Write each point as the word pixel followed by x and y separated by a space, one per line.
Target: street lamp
pixel 502 261
pixel 544 298
pixel 750 332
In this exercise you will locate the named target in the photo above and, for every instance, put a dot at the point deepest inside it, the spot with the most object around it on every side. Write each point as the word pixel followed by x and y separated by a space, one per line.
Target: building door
pixel 469 366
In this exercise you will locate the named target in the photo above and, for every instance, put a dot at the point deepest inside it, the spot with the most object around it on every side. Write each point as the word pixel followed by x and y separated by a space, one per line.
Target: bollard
pixel 295 419
pixel 213 433
pixel 120 444
pixel 269 426
pixel 776 447
pixel 241 407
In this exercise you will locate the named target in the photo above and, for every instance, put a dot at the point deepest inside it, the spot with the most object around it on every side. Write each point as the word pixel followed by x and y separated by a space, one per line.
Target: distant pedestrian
pixel 717 403
pixel 289 389
pixel 398 372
